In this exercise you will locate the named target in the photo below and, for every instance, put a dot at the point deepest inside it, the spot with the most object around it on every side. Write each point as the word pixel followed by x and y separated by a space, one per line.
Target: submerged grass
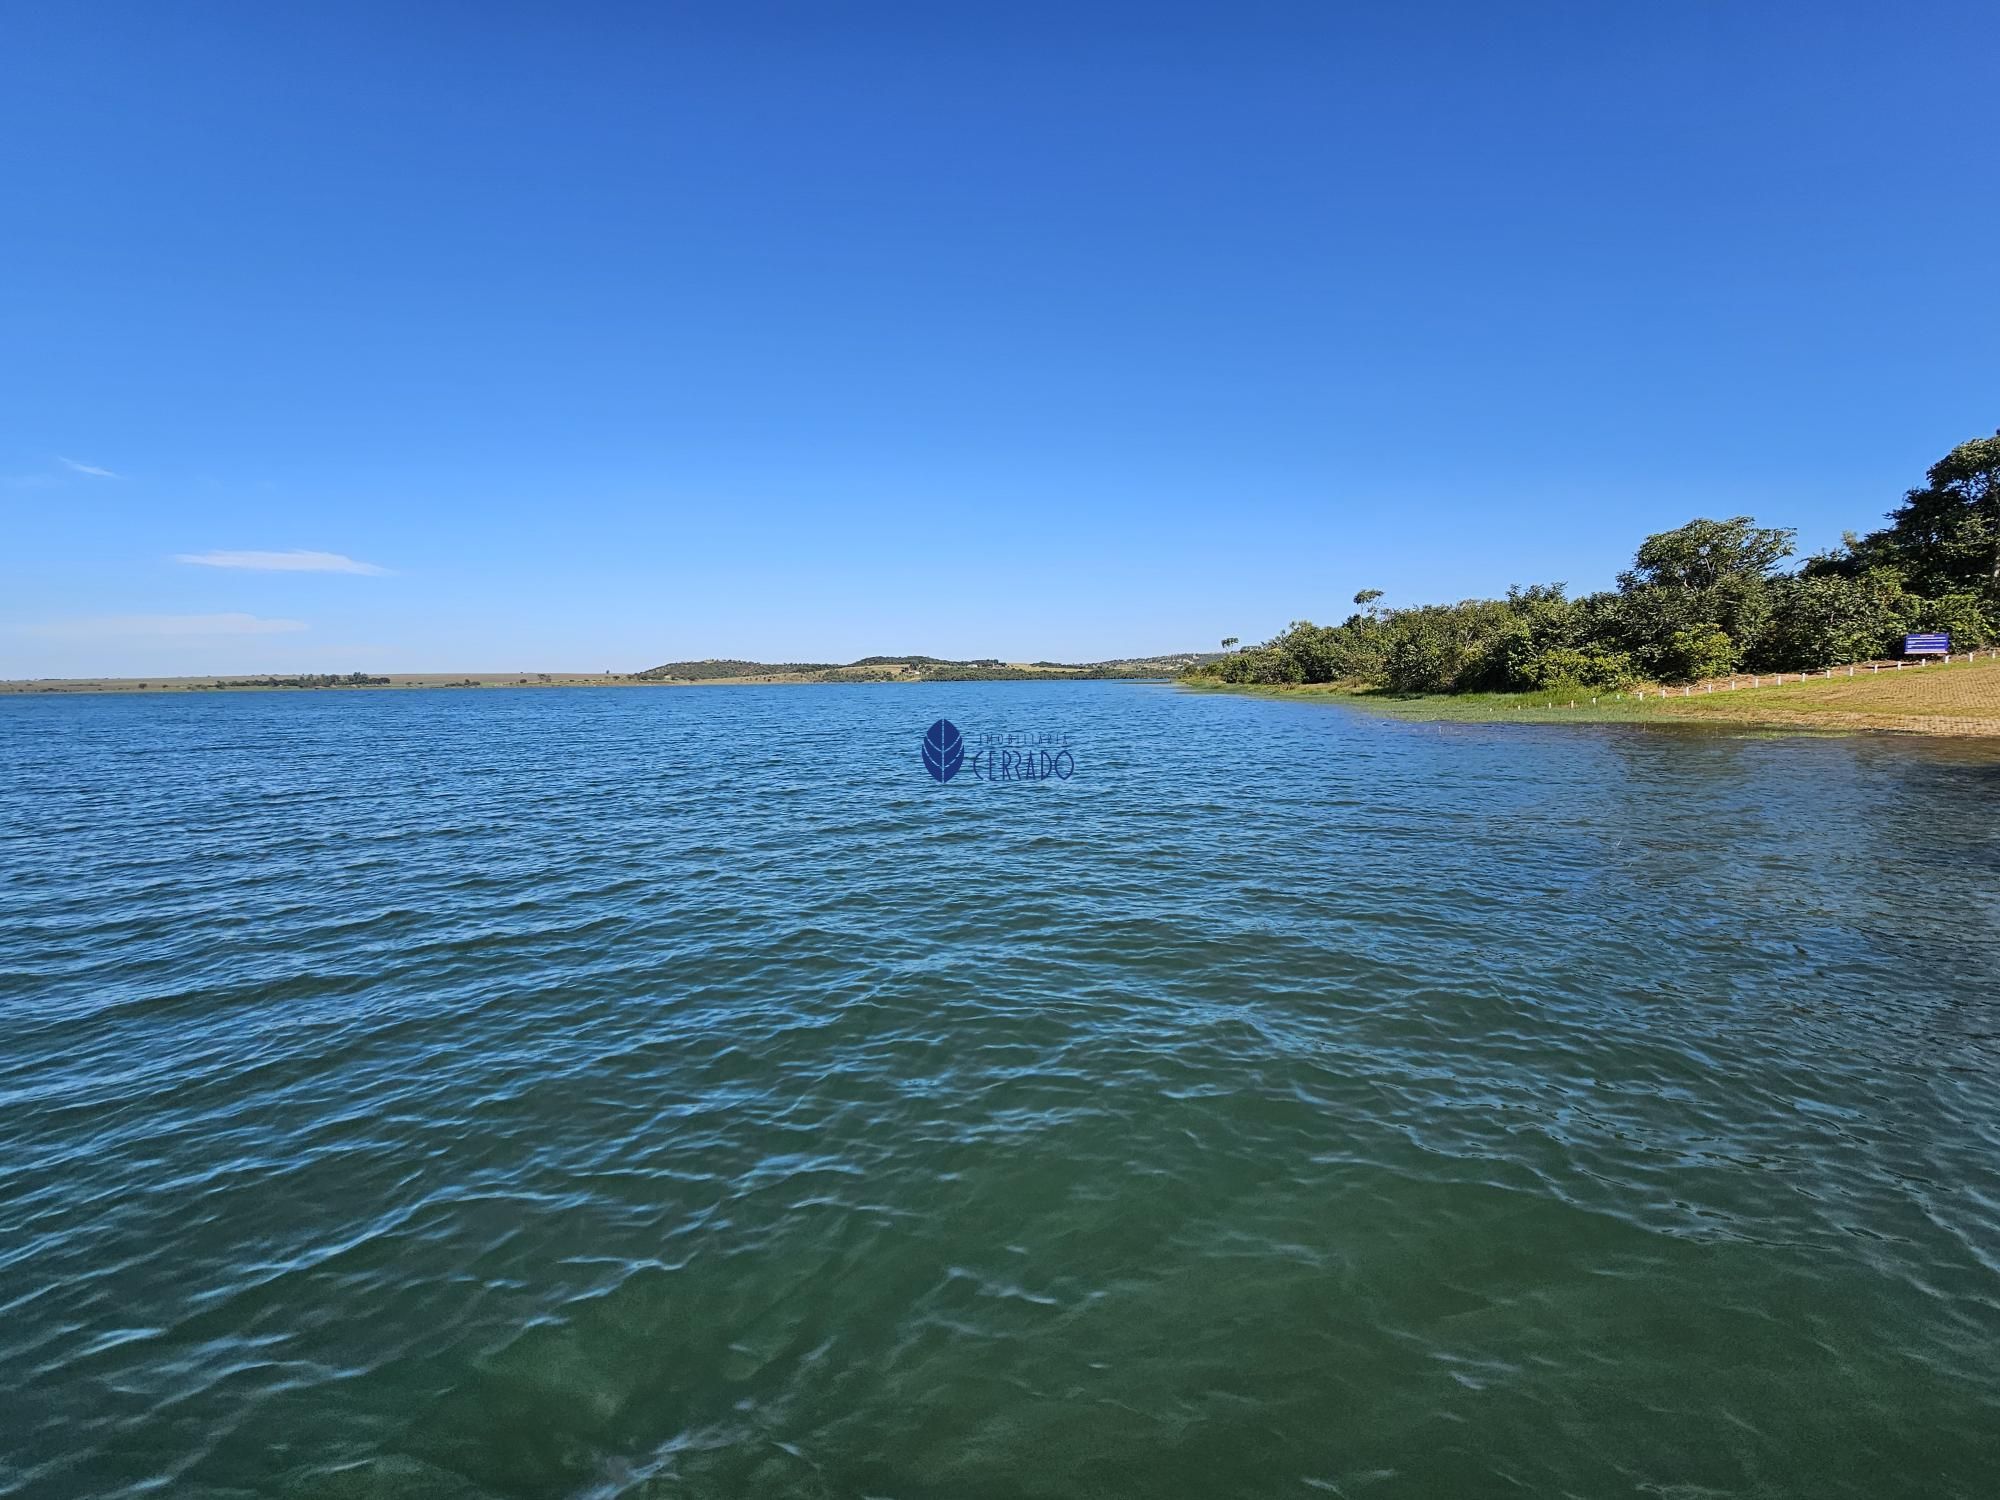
pixel 1962 698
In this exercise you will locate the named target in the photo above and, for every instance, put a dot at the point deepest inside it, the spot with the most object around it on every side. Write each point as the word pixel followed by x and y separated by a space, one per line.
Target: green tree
pixel 1265 664
pixel 1572 667
pixel 1706 575
pixel 1311 651
pixel 1698 651
pixel 1706 555
pixel 1945 537
pixel 1365 639
pixel 1970 620
pixel 1450 648
pixel 1818 620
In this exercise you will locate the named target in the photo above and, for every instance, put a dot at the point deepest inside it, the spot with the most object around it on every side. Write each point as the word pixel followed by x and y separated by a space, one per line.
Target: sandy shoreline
pixel 1961 700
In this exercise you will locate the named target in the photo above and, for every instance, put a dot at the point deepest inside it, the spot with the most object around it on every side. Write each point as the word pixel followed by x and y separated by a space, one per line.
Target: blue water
pixel 662 1092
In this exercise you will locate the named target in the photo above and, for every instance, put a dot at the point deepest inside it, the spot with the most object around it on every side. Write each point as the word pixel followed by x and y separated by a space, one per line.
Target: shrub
pixel 1966 616
pixel 1571 667
pixel 1698 651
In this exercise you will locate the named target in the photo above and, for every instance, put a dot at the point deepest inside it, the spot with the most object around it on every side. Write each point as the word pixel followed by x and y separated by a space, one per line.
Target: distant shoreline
pixel 711 672
pixel 473 681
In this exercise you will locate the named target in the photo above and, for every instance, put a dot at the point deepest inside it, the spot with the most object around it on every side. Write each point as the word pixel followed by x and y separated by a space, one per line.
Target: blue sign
pixel 1927 645
pixel 944 750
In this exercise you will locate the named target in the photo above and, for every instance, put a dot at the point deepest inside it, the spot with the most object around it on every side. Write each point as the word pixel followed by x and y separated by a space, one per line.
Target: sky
pixel 391 337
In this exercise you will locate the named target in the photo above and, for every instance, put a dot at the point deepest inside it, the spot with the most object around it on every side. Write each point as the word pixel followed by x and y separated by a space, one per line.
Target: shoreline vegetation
pixel 1959 699
pixel 1696 630
pixel 710 673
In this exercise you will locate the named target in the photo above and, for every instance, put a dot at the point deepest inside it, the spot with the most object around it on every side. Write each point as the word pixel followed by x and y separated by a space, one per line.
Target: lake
pixel 660 1092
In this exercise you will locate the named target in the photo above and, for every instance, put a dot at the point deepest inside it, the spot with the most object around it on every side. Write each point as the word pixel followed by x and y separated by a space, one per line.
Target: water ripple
pixel 647 1093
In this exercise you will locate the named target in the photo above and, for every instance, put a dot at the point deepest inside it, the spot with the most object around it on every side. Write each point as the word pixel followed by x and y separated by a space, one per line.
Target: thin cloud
pixel 91 469
pixel 162 627
pixel 281 562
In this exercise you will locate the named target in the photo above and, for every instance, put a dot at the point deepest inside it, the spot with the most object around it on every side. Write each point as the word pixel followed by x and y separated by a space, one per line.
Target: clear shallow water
pixel 675 1092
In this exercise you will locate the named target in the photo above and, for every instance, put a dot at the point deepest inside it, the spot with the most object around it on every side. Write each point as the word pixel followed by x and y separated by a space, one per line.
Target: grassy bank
pixel 1960 699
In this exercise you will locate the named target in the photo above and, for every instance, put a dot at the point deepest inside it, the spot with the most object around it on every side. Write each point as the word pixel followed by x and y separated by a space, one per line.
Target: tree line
pixel 1708 599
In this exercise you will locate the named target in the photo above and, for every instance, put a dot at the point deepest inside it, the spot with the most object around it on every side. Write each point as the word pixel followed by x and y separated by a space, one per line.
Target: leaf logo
pixel 944 750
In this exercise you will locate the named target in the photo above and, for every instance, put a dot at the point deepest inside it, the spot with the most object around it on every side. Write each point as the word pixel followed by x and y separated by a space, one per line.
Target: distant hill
pixel 915 668
pixel 728 669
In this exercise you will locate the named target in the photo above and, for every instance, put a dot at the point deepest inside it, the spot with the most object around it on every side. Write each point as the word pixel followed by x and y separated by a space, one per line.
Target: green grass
pixel 1960 699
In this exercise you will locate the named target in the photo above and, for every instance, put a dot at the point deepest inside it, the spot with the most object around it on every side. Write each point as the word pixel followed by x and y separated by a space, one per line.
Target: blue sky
pixel 592 336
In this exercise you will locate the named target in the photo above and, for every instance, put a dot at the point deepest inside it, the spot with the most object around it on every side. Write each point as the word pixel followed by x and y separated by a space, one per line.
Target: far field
pixel 709 673
pixel 1962 698
pixel 312 682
